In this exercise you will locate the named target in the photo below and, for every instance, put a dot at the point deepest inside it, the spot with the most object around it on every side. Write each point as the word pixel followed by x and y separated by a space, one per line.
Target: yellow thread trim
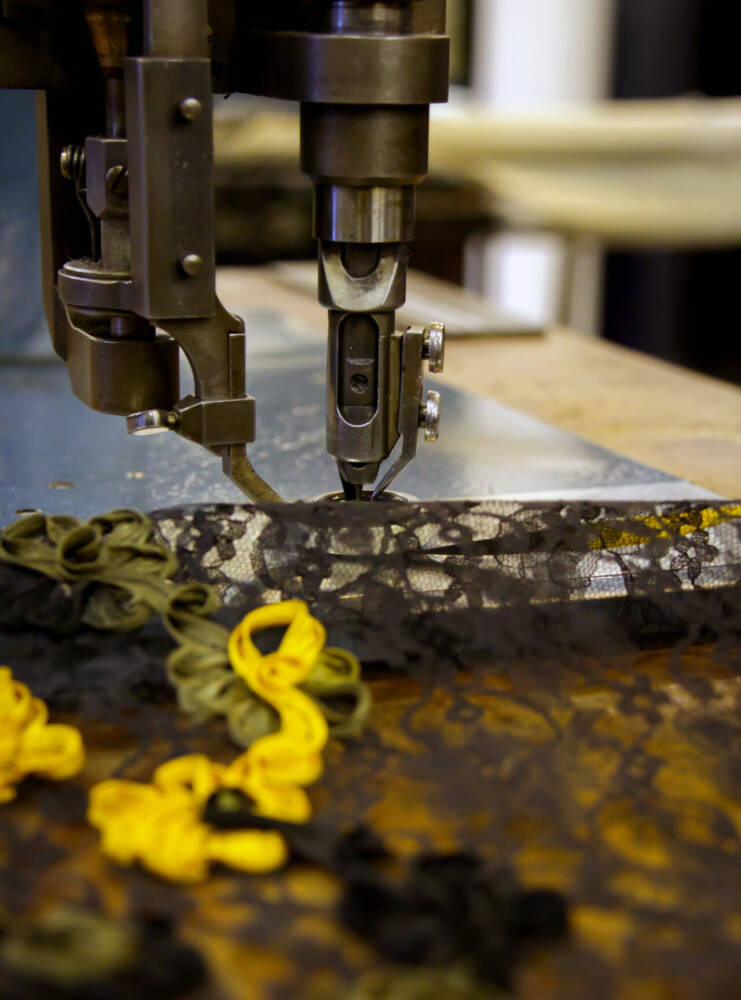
pixel 28 743
pixel 615 536
pixel 159 824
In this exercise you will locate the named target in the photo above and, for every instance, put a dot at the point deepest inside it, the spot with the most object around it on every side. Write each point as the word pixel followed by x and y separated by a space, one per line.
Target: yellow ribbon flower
pixel 28 743
pixel 160 824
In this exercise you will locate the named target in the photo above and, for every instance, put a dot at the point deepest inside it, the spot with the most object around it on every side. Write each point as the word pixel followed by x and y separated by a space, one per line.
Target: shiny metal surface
pixel 364 214
pixel 47 436
pixel 433 347
pixel 349 16
pixel 429 416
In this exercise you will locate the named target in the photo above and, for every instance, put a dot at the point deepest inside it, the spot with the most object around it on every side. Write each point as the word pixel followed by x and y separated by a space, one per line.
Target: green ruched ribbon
pixel 453 982
pixel 68 947
pixel 132 573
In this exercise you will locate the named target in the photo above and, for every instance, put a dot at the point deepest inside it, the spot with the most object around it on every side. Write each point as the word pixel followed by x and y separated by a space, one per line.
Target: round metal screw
pixel 359 382
pixel 433 347
pixel 192 264
pixel 190 108
pixel 429 416
pixel 117 179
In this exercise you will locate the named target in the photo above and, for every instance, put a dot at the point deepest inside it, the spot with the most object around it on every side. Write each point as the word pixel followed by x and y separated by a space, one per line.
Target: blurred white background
pixel 532 55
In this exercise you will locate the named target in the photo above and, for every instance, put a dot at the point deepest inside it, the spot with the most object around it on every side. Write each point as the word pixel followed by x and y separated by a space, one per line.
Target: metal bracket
pixel 222 417
pixel 418 344
pixel 410 401
pixel 213 422
pixel 106 170
pixel 168 103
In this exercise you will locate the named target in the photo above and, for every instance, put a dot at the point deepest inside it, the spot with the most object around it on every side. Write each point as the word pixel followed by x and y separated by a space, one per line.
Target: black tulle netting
pixel 556 687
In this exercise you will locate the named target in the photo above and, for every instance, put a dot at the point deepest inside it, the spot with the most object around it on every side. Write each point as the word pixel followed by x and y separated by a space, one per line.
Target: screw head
pixel 190 108
pixel 429 416
pixel 192 264
pixel 433 348
pixel 117 179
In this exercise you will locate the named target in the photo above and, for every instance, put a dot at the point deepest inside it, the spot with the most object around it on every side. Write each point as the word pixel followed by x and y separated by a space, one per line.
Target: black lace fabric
pixel 556 688
pixel 410 581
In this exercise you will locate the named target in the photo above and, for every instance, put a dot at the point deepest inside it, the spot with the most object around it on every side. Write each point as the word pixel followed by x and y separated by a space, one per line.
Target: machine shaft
pixel 365 161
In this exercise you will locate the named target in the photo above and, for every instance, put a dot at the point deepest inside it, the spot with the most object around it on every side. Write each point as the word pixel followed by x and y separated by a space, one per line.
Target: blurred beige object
pixel 664 128
pixel 629 172
pixel 626 200
pixel 626 172
pixel 254 136
pixel 675 127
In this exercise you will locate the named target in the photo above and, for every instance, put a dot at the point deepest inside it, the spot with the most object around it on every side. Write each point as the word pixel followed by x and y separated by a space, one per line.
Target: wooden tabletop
pixel 668 417
pixel 671 418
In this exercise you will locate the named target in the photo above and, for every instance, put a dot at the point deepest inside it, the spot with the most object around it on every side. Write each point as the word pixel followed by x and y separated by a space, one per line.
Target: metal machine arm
pixel 128 235
pixel 365 74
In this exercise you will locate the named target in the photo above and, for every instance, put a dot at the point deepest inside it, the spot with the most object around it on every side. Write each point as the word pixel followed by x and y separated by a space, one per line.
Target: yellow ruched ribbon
pixel 28 743
pixel 160 825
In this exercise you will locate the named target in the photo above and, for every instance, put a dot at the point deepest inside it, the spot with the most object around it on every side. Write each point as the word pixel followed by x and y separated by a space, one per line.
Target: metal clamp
pixel 418 344
pixel 344 69
pixel 213 422
pixel 107 177
pixel 210 422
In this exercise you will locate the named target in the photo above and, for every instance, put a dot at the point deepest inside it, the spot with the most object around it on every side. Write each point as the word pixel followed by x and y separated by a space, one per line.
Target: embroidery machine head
pixel 126 177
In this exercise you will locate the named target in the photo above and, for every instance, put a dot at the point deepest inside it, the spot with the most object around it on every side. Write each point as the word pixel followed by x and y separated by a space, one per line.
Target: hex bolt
pixel 190 108
pixel 192 264
pixel 429 416
pixel 433 346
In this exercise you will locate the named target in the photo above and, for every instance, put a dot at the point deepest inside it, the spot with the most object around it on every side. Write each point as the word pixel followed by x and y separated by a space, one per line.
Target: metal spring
pixel 72 164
